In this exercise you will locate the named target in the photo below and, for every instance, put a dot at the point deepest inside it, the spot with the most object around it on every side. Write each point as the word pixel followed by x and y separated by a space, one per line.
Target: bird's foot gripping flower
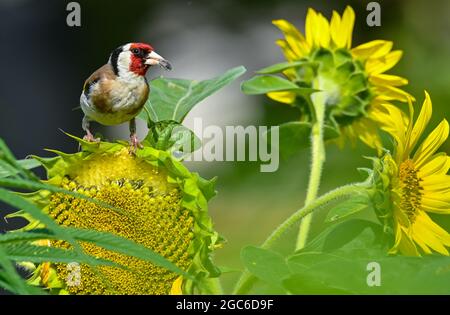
pixel 413 182
pixel 162 206
pixel 352 80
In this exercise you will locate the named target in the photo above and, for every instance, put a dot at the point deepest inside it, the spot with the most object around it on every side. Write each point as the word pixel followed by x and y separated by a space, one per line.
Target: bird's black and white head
pixel 134 59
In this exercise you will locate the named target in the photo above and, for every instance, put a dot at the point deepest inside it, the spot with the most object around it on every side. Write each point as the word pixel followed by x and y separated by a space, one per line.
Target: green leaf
pixel 355 235
pixel 20 202
pixel 11 280
pixel 322 273
pixel 295 135
pixel 172 136
pixel 340 265
pixel 347 234
pixel 105 240
pixel 349 207
pixel 346 272
pixel 172 99
pixel 102 239
pixel 7 156
pixel 33 185
pixel 7 169
pixel 23 251
pixel 124 246
pixel 266 265
pixel 263 84
pixel 280 67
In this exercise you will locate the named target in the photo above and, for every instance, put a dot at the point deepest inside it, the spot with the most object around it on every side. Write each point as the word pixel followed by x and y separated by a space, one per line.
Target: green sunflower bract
pixel 163 207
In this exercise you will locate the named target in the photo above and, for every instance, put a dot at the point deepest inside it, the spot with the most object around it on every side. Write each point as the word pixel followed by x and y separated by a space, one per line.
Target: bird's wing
pixel 105 72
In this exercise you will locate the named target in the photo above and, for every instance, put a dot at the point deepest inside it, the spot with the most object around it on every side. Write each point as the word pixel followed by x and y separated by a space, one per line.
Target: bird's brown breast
pixel 109 93
pixel 112 100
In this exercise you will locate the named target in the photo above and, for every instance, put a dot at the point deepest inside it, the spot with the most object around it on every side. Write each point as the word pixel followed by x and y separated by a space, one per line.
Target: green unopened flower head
pixel 353 80
pixel 162 206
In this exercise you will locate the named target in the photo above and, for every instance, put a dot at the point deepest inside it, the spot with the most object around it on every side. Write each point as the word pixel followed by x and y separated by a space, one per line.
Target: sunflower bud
pixel 380 193
pixel 353 82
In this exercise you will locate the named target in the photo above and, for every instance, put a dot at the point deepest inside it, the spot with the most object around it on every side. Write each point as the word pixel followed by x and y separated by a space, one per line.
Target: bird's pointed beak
pixel 155 59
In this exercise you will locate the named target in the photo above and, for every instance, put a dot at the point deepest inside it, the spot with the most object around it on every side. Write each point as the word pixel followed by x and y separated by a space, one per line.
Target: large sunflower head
pixel 162 206
pixel 415 182
pixel 353 79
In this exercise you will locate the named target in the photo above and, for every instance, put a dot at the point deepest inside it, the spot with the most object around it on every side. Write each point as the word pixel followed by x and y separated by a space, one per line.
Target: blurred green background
pixel 45 63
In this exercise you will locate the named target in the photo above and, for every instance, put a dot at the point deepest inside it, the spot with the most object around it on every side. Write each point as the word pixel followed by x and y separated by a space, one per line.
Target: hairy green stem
pixel 246 281
pixel 317 160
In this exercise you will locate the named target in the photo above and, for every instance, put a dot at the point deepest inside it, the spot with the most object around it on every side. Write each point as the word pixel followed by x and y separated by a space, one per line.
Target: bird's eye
pixel 135 51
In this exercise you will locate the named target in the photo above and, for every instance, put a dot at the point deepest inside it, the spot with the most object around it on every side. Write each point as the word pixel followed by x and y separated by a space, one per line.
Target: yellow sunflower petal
pixel 391 120
pixel 428 237
pixel 382 51
pixel 390 93
pixel 374 49
pixel 421 241
pixel 380 65
pixel 401 216
pixel 377 105
pixel 311 26
pixel 291 74
pixel 289 54
pixel 340 141
pixel 387 79
pixel 404 243
pixel 436 182
pixel 436 203
pixel 323 33
pixel 435 237
pixel 440 233
pixel 349 133
pixel 283 97
pixel 337 36
pixel 439 164
pixel 421 122
pixel 442 196
pixel 347 23
pixel 367 131
pixel 431 144
pixel 176 286
pixel 294 38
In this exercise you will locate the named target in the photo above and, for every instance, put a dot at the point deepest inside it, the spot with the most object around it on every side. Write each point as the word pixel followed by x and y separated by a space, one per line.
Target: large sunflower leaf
pixel 266 265
pixel 346 260
pixel 172 99
pixel 351 272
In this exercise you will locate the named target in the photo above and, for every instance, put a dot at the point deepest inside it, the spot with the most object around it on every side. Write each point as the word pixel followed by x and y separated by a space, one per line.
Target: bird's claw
pixel 134 143
pixel 90 138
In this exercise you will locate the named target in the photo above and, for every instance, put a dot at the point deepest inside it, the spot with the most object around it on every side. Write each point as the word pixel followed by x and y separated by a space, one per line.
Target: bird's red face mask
pixel 143 56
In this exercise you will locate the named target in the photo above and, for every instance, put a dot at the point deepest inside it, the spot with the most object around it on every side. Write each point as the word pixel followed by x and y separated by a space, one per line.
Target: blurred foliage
pixel 345 259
